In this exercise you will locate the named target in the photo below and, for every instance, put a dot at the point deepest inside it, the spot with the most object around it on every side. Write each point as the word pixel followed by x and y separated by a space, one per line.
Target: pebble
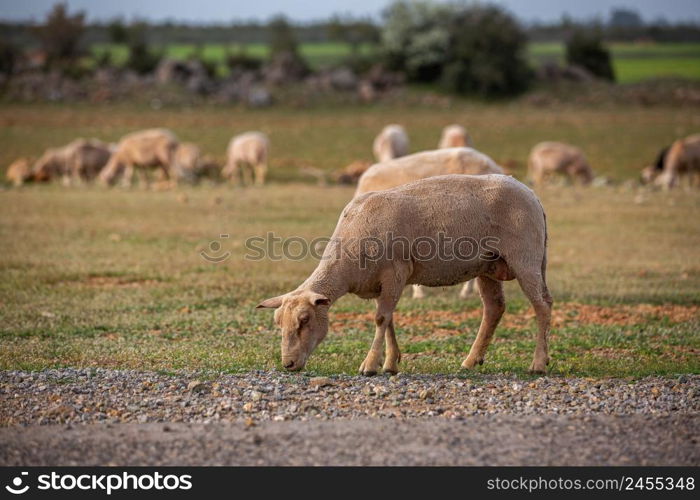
pixel 84 396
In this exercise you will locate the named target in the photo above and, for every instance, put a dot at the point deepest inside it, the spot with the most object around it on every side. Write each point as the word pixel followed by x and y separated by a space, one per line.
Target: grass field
pixel 633 62
pixel 115 278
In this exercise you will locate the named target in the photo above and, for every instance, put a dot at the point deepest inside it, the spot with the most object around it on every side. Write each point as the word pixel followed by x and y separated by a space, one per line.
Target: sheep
pixel 19 172
pixel 427 164
pixel 556 157
pixel 352 172
pixel 151 148
pixel 682 159
pixel 188 160
pixel 392 142
pixel 247 156
pixel 374 252
pixel 455 136
pixel 79 161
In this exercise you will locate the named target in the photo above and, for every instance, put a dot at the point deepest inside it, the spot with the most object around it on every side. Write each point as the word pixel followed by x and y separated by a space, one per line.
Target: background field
pixel 90 277
pixel 633 62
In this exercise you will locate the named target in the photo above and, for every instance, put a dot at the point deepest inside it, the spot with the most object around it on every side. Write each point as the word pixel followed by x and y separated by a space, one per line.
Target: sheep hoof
pixel 391 370
pixel 538 368
pixel 367 370
pixel 471 362
pixel 368 373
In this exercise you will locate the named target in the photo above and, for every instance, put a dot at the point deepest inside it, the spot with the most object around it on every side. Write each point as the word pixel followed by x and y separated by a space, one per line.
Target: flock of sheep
pixel 452 192
pixel 85 160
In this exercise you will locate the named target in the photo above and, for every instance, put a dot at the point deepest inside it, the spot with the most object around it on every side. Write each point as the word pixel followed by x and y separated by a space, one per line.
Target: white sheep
pixel 392 142
pixel 455 136
pixel 420 166
pixel 500 213
pixel 247 156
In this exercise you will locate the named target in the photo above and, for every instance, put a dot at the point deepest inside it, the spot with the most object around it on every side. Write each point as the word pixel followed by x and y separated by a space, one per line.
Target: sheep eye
pixel 303 319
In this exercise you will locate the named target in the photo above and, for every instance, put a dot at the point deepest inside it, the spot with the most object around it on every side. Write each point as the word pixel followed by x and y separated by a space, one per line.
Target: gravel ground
pixel 99 395
pixel 186 418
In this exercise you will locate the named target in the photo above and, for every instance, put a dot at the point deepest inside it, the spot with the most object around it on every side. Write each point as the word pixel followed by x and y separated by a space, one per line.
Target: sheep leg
pixel 386 303
pixel 127 175
pixel 392 356
pixel 536 291
pixel 260 172
pixel 468 288
pixel 247 174
pixel 418 292
pixel 492 297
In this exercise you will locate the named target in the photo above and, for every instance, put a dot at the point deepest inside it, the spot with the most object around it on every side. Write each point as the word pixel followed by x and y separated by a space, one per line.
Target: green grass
pixel 633 62
pixel 115 278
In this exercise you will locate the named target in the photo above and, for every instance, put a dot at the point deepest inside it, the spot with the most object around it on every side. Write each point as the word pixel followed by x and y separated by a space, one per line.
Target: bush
pixel 60 36
pixel 586 49
pixel 468 49
pixel 141 59
pixel 9 55
pixel 241 60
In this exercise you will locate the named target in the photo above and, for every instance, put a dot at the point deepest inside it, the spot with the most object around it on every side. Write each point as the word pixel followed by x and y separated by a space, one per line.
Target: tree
pixel 586 49
pixel 468 49
pixel 282 38
pixel 118 32
pixel 353 32
pixel 60 35
pixel 141 58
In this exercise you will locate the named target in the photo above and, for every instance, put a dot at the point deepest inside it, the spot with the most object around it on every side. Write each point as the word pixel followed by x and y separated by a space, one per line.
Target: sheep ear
pixel 271 303
pixel 318 299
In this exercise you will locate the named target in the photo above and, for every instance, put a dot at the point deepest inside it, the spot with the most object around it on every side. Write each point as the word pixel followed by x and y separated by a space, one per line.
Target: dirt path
pixel 479 440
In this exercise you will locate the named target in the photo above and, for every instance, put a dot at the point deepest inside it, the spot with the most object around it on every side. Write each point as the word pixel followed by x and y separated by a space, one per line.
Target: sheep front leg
pixel 392 357
pixel 386 303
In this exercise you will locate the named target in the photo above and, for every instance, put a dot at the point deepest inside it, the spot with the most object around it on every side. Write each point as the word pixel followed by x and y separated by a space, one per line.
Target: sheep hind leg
pixel 468 289
pixel 418 292
pixel 536 291
pixel 492 297
pixel 260 171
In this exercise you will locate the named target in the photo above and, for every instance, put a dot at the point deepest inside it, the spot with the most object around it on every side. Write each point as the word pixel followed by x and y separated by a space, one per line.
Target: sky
pixel 223 11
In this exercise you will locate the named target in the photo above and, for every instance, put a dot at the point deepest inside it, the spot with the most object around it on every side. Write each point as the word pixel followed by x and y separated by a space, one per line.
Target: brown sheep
pixel 77 162
pixel 145 149
pixel 558 158
pixel 362 258
pixel 19 172
pixel 682 159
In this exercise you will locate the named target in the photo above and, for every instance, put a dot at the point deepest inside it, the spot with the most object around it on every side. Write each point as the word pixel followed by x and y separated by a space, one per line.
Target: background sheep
pixel 76 162
pixel 455 136
pixel 420 166
pixel 681 160
pixel 19 172
pixel 479 207
pixel 145 149
pixel 187 161
pixel 392 142
pixel 548 158
pixel 247 156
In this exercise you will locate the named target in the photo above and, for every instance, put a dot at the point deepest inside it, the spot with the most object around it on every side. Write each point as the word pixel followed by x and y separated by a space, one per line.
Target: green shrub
pixel 586 49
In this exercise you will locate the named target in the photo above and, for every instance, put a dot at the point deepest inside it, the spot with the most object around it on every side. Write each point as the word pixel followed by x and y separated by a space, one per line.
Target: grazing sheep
pixel 427 164
pixel 455 136
pixel 556 157
pixel 681 160
pixel 145 149
pixel 76 162
pixel 373 253
pixel 247 158
pixel 650 173
pixel 352 173
pixel 19 172
pixel 188 161
pixel 392 142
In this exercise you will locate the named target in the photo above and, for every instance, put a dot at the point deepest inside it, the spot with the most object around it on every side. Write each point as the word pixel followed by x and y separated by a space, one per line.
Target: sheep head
pixel 302 316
